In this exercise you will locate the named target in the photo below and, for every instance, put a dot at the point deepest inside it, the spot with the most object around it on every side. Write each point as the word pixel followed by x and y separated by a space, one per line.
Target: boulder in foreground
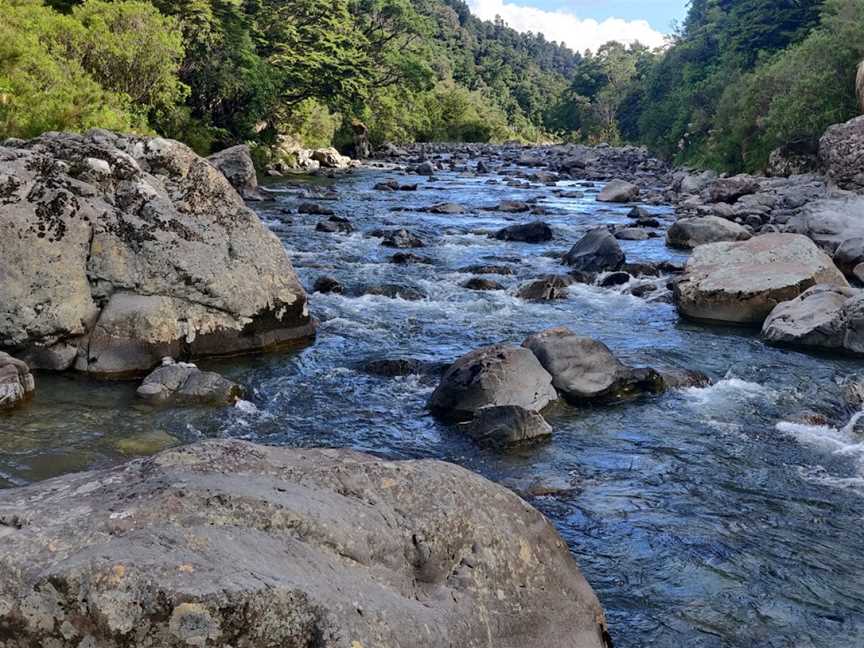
pixel 116 251
pixel 741 283
pixel 226 543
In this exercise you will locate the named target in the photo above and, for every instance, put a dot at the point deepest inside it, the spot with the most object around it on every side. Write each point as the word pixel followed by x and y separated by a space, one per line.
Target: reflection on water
pixel 696 517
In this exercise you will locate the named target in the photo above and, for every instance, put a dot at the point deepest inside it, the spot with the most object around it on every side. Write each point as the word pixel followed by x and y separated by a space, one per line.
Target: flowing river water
pixel 705 517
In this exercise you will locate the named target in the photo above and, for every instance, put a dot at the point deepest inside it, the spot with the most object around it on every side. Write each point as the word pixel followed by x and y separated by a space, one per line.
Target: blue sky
pixel 587 24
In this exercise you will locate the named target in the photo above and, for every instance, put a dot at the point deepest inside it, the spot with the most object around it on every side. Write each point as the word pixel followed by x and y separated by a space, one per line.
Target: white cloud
pixel 562 26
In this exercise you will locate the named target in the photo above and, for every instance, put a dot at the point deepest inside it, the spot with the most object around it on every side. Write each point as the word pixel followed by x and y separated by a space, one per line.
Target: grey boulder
pixel 688 233
pixel 841 151
pixel 185 384
pixel 492 376
pixel 583 369
pixel 619 191
pixel 16 382
pixel 536 232
pixel 597 251
pixel 236 165
pixel 227 543
pixel 506 426
pixel 741 283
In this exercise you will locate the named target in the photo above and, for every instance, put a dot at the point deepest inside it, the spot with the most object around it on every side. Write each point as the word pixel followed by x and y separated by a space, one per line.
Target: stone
pixel 614 279
pixel 400 238
pixel 396 291
pixel 741 283
pixel 16 382
pixel 545 289
pixel 325 285
pixel 335 224
pixel 536 232
pixel 683 378
pixel 446 208
pixel 185 384
pixel 823 317
pixel 632 234
pixel 481 269
pixel 693 183
pixel 496 375
pixel 506 426
pixel 597 251
pixel 849 254
pixel 584 370
pixel 619 191
pixel 729 190
pixel 406 258
pixel 688 233
pixel 513 207
pixel 330 158
pixel 792 160
pixel 314 209
pixel 480 283
pixel 227 543
pixel 164 248
pixel 236 165
pixel 841 151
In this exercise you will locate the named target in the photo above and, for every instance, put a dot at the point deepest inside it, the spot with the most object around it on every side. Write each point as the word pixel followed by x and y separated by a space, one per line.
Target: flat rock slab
pixel 741 283
pixel 226 543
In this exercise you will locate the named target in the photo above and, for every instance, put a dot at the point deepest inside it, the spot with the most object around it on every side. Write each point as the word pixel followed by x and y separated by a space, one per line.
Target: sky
pixel 587 24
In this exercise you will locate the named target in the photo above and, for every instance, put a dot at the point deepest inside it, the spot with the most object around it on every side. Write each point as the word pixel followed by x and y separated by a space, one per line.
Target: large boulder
pixel 688 233
pixel 536 232
pixel 841 154
pixel 16 382
pixel 584 370
pixel 330 158
pixel 792 160
pixel 226 543
pixel 729 190
pixel 122 250
pixel 597 251
pixel 823 317
pixel 236 164
pixel 185 384
pixel 619 191
pixel 741 283
pixel 492 376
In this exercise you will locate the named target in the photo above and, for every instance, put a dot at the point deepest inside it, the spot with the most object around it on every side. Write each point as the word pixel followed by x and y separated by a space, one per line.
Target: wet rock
pixel 335 224
pixel 583 369
pixel 330 158
pixel 597 251
pixel 729 190
pixel 683 378
pixel 487 269
pixel 236 165
pixel 823 317
pixel 159 258
pixel 492 376
pixel 424 168
pixel 639 213
pixel 406 258
pixel 741 283
pixel 545 289
pixel 506 427
pixel 632 234
pixel 513 207
pixel 841 151
pixel 688 233
pixel 647 223
pixel 185 384
pixel 644 290
pixel 536 232
pixel 325 285
pixel 396 367
pixel 480 283
pixel 614 279
pixel 619 191
pixel 400 238
pixel 446 208
pixel 202 546
pixel 396 291
pixel 387 185
pixel 16 382
pixel 314 209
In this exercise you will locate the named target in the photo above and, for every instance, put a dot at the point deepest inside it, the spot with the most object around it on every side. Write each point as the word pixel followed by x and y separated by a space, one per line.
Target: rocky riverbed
pixel 708 479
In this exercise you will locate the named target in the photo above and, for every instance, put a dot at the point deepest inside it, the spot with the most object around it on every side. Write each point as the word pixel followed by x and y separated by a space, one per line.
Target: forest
pixel 738 78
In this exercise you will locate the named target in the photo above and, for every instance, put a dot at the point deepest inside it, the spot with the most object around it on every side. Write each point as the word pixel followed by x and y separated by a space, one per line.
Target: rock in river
pixel 583 369
pixel 227 543
pixel 16 381
pixel 496 375
pixel 536 232
pixel 619 191
pixel 741 283
pixel 506 426
pixel 824 317
pixel 597 251
pixel 688 233
pixel 236 165
pixel 185 384
pixel 144 250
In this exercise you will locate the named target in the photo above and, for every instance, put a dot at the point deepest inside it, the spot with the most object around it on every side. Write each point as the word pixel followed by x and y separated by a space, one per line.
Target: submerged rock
pixel 741 283
pixel 583 369
pixel 597 251
pixel 327 285
pixel 396 291
pixel 481 283
pixel 506 426
pixel 146 251
pixel 229 543
pixel 185 384
pixel 689 233
pixel 823 317
pixel 16 382
pixel 496 375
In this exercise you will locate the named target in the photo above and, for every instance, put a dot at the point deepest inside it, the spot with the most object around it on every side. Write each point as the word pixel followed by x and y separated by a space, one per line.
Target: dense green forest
pixel 738 79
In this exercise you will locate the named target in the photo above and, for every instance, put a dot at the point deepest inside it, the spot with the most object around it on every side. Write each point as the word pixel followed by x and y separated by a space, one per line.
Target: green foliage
pixel 312 124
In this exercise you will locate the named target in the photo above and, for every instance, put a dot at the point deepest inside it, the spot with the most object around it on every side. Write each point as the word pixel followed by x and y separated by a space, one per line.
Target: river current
pixel 705 517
